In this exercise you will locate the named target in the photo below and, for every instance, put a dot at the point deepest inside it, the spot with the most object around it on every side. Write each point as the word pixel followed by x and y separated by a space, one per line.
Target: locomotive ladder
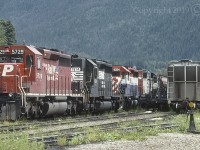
pixel 23 91
pixel 170 91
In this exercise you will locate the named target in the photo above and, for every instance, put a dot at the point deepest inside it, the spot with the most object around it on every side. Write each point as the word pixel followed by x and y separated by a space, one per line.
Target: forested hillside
pixel 144 33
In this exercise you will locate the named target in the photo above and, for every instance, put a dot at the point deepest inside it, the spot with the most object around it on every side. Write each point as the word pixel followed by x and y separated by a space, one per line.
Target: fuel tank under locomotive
pixel 103 106
pixel 130 103
pixel 55 108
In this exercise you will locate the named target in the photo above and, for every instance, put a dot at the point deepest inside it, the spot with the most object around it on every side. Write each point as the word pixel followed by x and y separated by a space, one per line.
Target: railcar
pixel 93 77
pixel 125 86
pixel 154 92
pixel 33 81
pixel 152 89
pixel 183 83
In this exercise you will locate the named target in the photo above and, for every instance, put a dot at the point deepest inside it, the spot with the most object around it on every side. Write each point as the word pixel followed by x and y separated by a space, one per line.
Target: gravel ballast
pixel 164 141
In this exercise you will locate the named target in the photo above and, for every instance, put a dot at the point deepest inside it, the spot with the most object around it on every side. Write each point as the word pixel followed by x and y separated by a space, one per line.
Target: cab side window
pixel 38 63
pixel 29 61
pixel 123 75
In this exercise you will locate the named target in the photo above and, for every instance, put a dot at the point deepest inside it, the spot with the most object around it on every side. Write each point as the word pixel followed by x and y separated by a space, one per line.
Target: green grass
pixel 96 135
pixel 16 140
pixel 183 122
pixel 61 141
pixel 19 142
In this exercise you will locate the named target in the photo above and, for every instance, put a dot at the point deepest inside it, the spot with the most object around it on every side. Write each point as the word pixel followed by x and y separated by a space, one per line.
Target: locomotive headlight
pixel 10 94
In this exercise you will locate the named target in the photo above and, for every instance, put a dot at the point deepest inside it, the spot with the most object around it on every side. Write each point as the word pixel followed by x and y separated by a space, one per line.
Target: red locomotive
pixel 33 81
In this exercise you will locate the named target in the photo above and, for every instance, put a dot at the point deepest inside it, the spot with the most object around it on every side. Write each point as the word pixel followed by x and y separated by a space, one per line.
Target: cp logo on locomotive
pixel 7 69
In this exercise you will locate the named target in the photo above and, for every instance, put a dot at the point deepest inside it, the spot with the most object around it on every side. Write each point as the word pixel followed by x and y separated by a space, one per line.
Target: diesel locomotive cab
pixel 35 82
pixel 125 86
pixel 15 63
pixel 93 78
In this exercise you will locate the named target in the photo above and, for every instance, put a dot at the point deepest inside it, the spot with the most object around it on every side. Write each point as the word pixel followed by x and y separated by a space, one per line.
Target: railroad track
pixel 96 122
pixel 47 122
pixel 69 129
pixel 38 124
pixel 100 122
pixel 52 140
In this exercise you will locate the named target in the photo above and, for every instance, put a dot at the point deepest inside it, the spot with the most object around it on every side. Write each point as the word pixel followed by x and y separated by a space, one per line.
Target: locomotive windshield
pixel 11 59
pixel 116 73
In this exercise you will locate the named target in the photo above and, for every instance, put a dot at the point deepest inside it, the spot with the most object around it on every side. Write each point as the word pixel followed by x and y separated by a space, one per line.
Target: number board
pixel 74 69
pixel 116 69
pixel 3 51
pixel 17 51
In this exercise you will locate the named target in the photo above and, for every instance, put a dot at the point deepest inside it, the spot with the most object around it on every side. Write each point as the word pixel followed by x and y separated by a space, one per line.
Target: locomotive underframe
pixel 9 106
pixel 159 104
pixel 181 106
pixel 43 106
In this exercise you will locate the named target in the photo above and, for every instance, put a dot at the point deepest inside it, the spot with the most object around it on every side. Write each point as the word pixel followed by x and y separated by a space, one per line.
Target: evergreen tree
pixel 9 32
pixel 2 36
